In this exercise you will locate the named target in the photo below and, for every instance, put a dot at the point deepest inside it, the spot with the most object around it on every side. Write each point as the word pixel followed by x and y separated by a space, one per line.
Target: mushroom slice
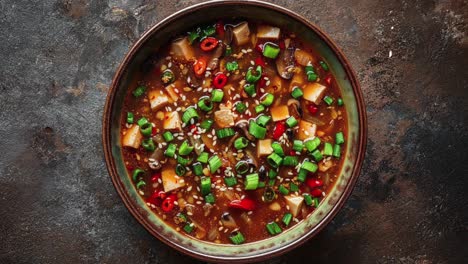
pixel 285 63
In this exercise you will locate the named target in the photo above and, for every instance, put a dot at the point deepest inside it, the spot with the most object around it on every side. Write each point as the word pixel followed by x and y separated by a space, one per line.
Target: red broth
pixel 234 132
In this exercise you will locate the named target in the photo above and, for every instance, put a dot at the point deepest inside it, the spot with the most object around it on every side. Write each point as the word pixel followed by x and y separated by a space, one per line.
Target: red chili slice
pixel 279 129
pixel 261 83
pixel 282 45
pixel 155 177
pixel 313 109
pixel 220 29
pixel 328 79
pixel 220 80
pixel 314 183
pixel 199 66
pixel 260 61
pixel 168 204
pixel 209 44
pixel 316 193
pixel 244 204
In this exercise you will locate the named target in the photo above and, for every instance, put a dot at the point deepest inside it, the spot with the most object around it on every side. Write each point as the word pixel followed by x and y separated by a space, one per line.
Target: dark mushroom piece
pixel 214 61
pixel 252 160
pixel 244 126
pixel 228 221
pixel 156 158
pixel 227 34
pixel 285 63
pixel 295 108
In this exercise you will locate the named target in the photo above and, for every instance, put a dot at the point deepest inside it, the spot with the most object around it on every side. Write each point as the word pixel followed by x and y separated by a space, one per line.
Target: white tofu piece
pixel 294 203
pixel 280 112
pixel 170 179
pixel 132 137
pixel 306 130
pixel 182 49
pixel 264 147
pixel 172 121
pixel 241 34
pixel 224 118
pixel 268 32
pixel 157 99
pixel 314 92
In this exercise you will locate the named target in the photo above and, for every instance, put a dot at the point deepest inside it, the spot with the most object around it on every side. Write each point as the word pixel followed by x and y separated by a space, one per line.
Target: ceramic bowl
pixel 182 21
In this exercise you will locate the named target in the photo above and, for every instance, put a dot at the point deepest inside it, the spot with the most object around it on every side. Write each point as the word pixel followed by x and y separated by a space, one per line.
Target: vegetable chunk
pixel 132 138
pixel 306 130
pixel 314 92
pixel 241 34
pixel 172 121
pixel 170 180
pixel 224 118
pixel 157 99
pixel 294 203
pixel 279 112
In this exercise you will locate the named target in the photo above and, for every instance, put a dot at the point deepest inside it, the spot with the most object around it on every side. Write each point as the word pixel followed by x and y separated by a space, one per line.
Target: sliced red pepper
pixel 328 80
pixel 314 183
pixel 261 83
pixel 316 193
pixel 292 153
pixel 260 61
pixel 278 131
pixel 220 29
pixel 199 66
pixel 244 204
pixel 313 109
pixel 168 204
pixel 208 44
pixel 154 131
pixel 220 80
pixel 155 177
pixel 282 45
pixel 259 47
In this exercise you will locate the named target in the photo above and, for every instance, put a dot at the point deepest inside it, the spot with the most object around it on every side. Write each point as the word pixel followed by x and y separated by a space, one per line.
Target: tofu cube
pixel 268 32
pixel 314 92
pixel 241 34
pixel 182 49
pixel 224 118
pixel 157 99
pixel 306 130
pixel 295 204
pixel 170 179
pixel 132 137
pixel 172 121
pixel 264 147
pixel 279 112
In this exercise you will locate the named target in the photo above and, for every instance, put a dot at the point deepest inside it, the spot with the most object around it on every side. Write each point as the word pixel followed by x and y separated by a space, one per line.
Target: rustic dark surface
pixel 58 205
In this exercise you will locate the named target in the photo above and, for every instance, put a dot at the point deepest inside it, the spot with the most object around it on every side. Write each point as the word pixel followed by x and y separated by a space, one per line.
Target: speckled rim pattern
pixel 260 250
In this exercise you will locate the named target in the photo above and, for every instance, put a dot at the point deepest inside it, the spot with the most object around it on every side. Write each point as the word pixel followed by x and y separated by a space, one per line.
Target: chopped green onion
pixel 263 120
pixel 208 31
pixel 339 101
pixel 328 149
pixel 168 137
pixel 293 187
pixel 241 143
pixel 205 185
pixel 215 163
pixel 250 89
pixel 251 181
pixel 298 145
pixel 185 148
pixel 311 145
pixel 146 129
pixel 142 121
pixel 267 99
pixel 198 168
pixel 274 160
pixel 167 77
pixel 259 108
pixel 270 51
pixel 253 76
pixel 272 173
pixel 241 107
pixel 183 161
pixel 232 66
pixel 230 181
pixel 309 166
pixel 139 91
pixel 130 118
pixel 324 65
pixel 225 132
pixel 327 99
pixel 268 194
pixel 261 185
pixel 308 199
pixel 228 51
pixel 291 121
pixel 205 104
pixel 316 202
pixel 276 146
pixel 180 170
pixel 148 144
pixel 242 167
pixel 188 228
pixel 312 77
pixel 170 151
pixel 203 157
pixel 302 175
pixel 192 36
pixel 206 124
pixel 273 228
pixel 336 151
pixel 217 95
pixel 256 130
pixel 297 92
pixel 339 138
pixel 271 182
pixel 283 190
pixel 287 219
pixel 237 238
pixel 291 161
pixel 317 155
pixel 137 173
pixel 180 218
pixel 209 198
pixel 189 114
pixel 309 69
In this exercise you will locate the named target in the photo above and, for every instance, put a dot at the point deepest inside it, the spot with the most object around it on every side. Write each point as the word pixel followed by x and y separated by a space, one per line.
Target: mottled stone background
pixel 58 205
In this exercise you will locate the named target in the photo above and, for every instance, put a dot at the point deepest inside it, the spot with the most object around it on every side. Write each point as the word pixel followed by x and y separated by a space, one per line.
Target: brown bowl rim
pixel 106 133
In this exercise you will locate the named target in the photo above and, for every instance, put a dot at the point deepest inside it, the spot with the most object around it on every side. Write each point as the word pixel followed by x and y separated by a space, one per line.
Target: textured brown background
pixel 57 203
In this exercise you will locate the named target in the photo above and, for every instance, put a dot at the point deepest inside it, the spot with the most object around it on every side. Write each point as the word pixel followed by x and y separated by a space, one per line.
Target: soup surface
pixel 234 132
